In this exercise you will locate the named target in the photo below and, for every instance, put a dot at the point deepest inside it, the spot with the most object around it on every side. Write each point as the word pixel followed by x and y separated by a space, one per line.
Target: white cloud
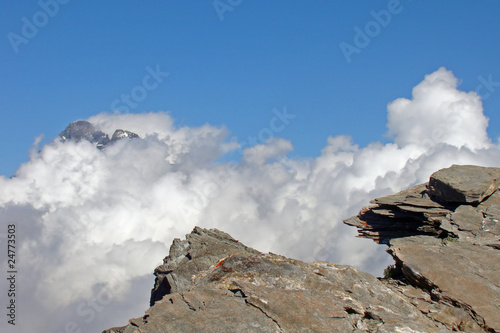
pixel 439 113
pixel 93 224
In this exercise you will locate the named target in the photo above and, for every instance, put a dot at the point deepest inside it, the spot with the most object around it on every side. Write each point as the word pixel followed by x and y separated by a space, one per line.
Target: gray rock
pixel 467 218
pixel 464 183
pixel 417 196
pixel 451 252
pixel 493 199
pixel 461 274
pixel 407 213
pixel 224 286
pixel 201 250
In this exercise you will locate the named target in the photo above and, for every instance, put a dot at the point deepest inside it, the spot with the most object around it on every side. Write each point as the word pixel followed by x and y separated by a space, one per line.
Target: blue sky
pixel 310 72
pixel 234 67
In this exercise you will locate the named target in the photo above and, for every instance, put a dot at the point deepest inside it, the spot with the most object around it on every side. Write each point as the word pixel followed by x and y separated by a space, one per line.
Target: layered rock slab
pixel 248 291
pixel 445 239
pixel 464 183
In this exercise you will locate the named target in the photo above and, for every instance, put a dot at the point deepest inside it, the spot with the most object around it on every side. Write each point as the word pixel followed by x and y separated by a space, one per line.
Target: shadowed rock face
pixel 464 183
pixel 446 276
pixel 83 130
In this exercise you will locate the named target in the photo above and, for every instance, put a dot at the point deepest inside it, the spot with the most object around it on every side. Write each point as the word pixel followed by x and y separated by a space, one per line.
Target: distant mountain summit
pixel 83 130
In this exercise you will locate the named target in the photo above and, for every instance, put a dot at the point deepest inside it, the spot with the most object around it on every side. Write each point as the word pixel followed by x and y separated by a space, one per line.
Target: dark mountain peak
pixel 84 130
pixel 78 130
pixel 123 134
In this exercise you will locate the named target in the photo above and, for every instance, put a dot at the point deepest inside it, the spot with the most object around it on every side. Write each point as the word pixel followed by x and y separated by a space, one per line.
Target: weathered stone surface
pixel 464 183
pixel 449 315
pixel 467 218
pixel 201 250
pixel 416 196
pixel 461 273
pixel 493 199
pixel 407 213
pixel 451 252
pixel 242 290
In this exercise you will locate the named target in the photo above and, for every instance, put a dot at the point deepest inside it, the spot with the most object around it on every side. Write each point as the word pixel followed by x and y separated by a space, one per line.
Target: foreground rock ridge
pixel 443 235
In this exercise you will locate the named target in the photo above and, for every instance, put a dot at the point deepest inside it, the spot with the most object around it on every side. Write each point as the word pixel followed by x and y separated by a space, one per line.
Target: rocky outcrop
pixel 464 183
pixel 83 130
pixel 445 239
pixel 201 250
pixel 212 283
pixel 445 278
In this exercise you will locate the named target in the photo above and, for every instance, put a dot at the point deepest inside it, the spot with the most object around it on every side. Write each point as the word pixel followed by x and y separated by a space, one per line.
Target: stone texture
pixel 464 183
pixel 410 212
pixel 223 286
pixel 446 247
pixel 462 274
pixel 201 250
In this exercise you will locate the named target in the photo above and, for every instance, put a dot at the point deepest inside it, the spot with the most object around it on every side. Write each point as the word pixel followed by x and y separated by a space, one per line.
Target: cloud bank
pixel 93 224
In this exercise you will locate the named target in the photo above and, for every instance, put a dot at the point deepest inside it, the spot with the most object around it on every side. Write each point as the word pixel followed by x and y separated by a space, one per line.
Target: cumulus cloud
pixel 93 224
pixel 439 113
